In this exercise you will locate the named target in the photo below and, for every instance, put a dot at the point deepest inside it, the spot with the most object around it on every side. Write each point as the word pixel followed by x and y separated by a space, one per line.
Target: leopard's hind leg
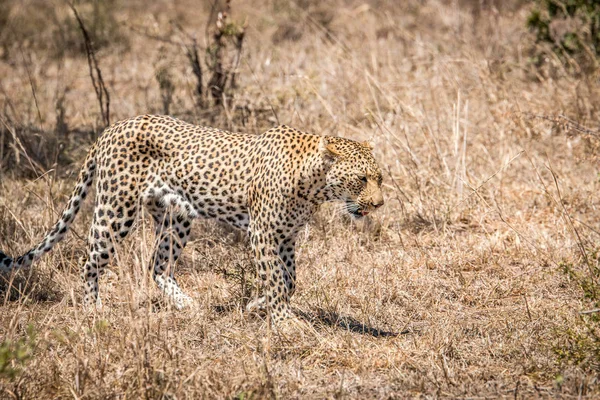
pixel 110 225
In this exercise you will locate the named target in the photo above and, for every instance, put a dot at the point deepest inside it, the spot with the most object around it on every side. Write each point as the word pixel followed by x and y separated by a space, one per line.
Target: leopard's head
pixel 353 175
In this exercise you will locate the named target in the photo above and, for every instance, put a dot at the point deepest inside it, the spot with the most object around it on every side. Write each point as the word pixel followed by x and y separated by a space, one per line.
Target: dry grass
pixel 455 288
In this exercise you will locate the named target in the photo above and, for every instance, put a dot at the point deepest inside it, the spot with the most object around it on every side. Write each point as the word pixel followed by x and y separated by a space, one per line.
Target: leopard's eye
pixel 363 179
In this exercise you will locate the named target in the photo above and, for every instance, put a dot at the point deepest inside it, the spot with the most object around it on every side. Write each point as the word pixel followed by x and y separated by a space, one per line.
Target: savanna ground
pixel 469 282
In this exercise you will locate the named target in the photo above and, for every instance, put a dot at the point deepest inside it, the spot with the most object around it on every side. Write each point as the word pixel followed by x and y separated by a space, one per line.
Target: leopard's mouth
pixel 359 213
pixel 355 210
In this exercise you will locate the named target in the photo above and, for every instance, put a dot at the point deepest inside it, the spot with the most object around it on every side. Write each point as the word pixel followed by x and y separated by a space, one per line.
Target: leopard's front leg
pixel 287 250
pixel 273 274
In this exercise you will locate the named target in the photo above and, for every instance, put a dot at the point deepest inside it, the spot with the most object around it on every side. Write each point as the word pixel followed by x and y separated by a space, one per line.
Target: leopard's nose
pixel 376 198
pixel 377 203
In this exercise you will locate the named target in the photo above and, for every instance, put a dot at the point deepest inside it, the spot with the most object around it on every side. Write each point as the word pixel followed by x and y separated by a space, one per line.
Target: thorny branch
pixel 564 122
pixel 97 81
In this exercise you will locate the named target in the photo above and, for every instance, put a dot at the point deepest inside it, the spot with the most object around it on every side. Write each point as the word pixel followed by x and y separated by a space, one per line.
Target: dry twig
pixel 95 72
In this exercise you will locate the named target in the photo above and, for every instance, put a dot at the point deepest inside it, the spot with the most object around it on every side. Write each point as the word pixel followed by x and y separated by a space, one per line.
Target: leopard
pixel 269 185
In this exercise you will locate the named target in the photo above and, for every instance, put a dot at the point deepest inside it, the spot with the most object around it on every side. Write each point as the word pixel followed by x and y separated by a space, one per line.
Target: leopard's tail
pixel 60 228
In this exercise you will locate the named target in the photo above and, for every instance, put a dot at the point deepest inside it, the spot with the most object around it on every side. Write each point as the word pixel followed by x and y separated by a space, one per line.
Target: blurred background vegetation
pixel 197 57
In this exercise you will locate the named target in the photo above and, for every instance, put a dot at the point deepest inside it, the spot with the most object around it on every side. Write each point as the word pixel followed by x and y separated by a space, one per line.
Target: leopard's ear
pixel 328 150
pixel 367 145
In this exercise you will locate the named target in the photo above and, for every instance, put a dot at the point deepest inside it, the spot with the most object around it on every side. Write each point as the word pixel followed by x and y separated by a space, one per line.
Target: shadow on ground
pixel 31 286
pixel 333 319
pixel 321 317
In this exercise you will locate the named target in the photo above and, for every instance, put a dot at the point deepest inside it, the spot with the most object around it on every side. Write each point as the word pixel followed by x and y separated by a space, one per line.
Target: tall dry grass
pixel 455 288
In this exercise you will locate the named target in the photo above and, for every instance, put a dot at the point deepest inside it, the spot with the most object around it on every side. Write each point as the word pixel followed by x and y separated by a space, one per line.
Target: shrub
pixel 581 345
pixel 15 354
pixel 571 28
